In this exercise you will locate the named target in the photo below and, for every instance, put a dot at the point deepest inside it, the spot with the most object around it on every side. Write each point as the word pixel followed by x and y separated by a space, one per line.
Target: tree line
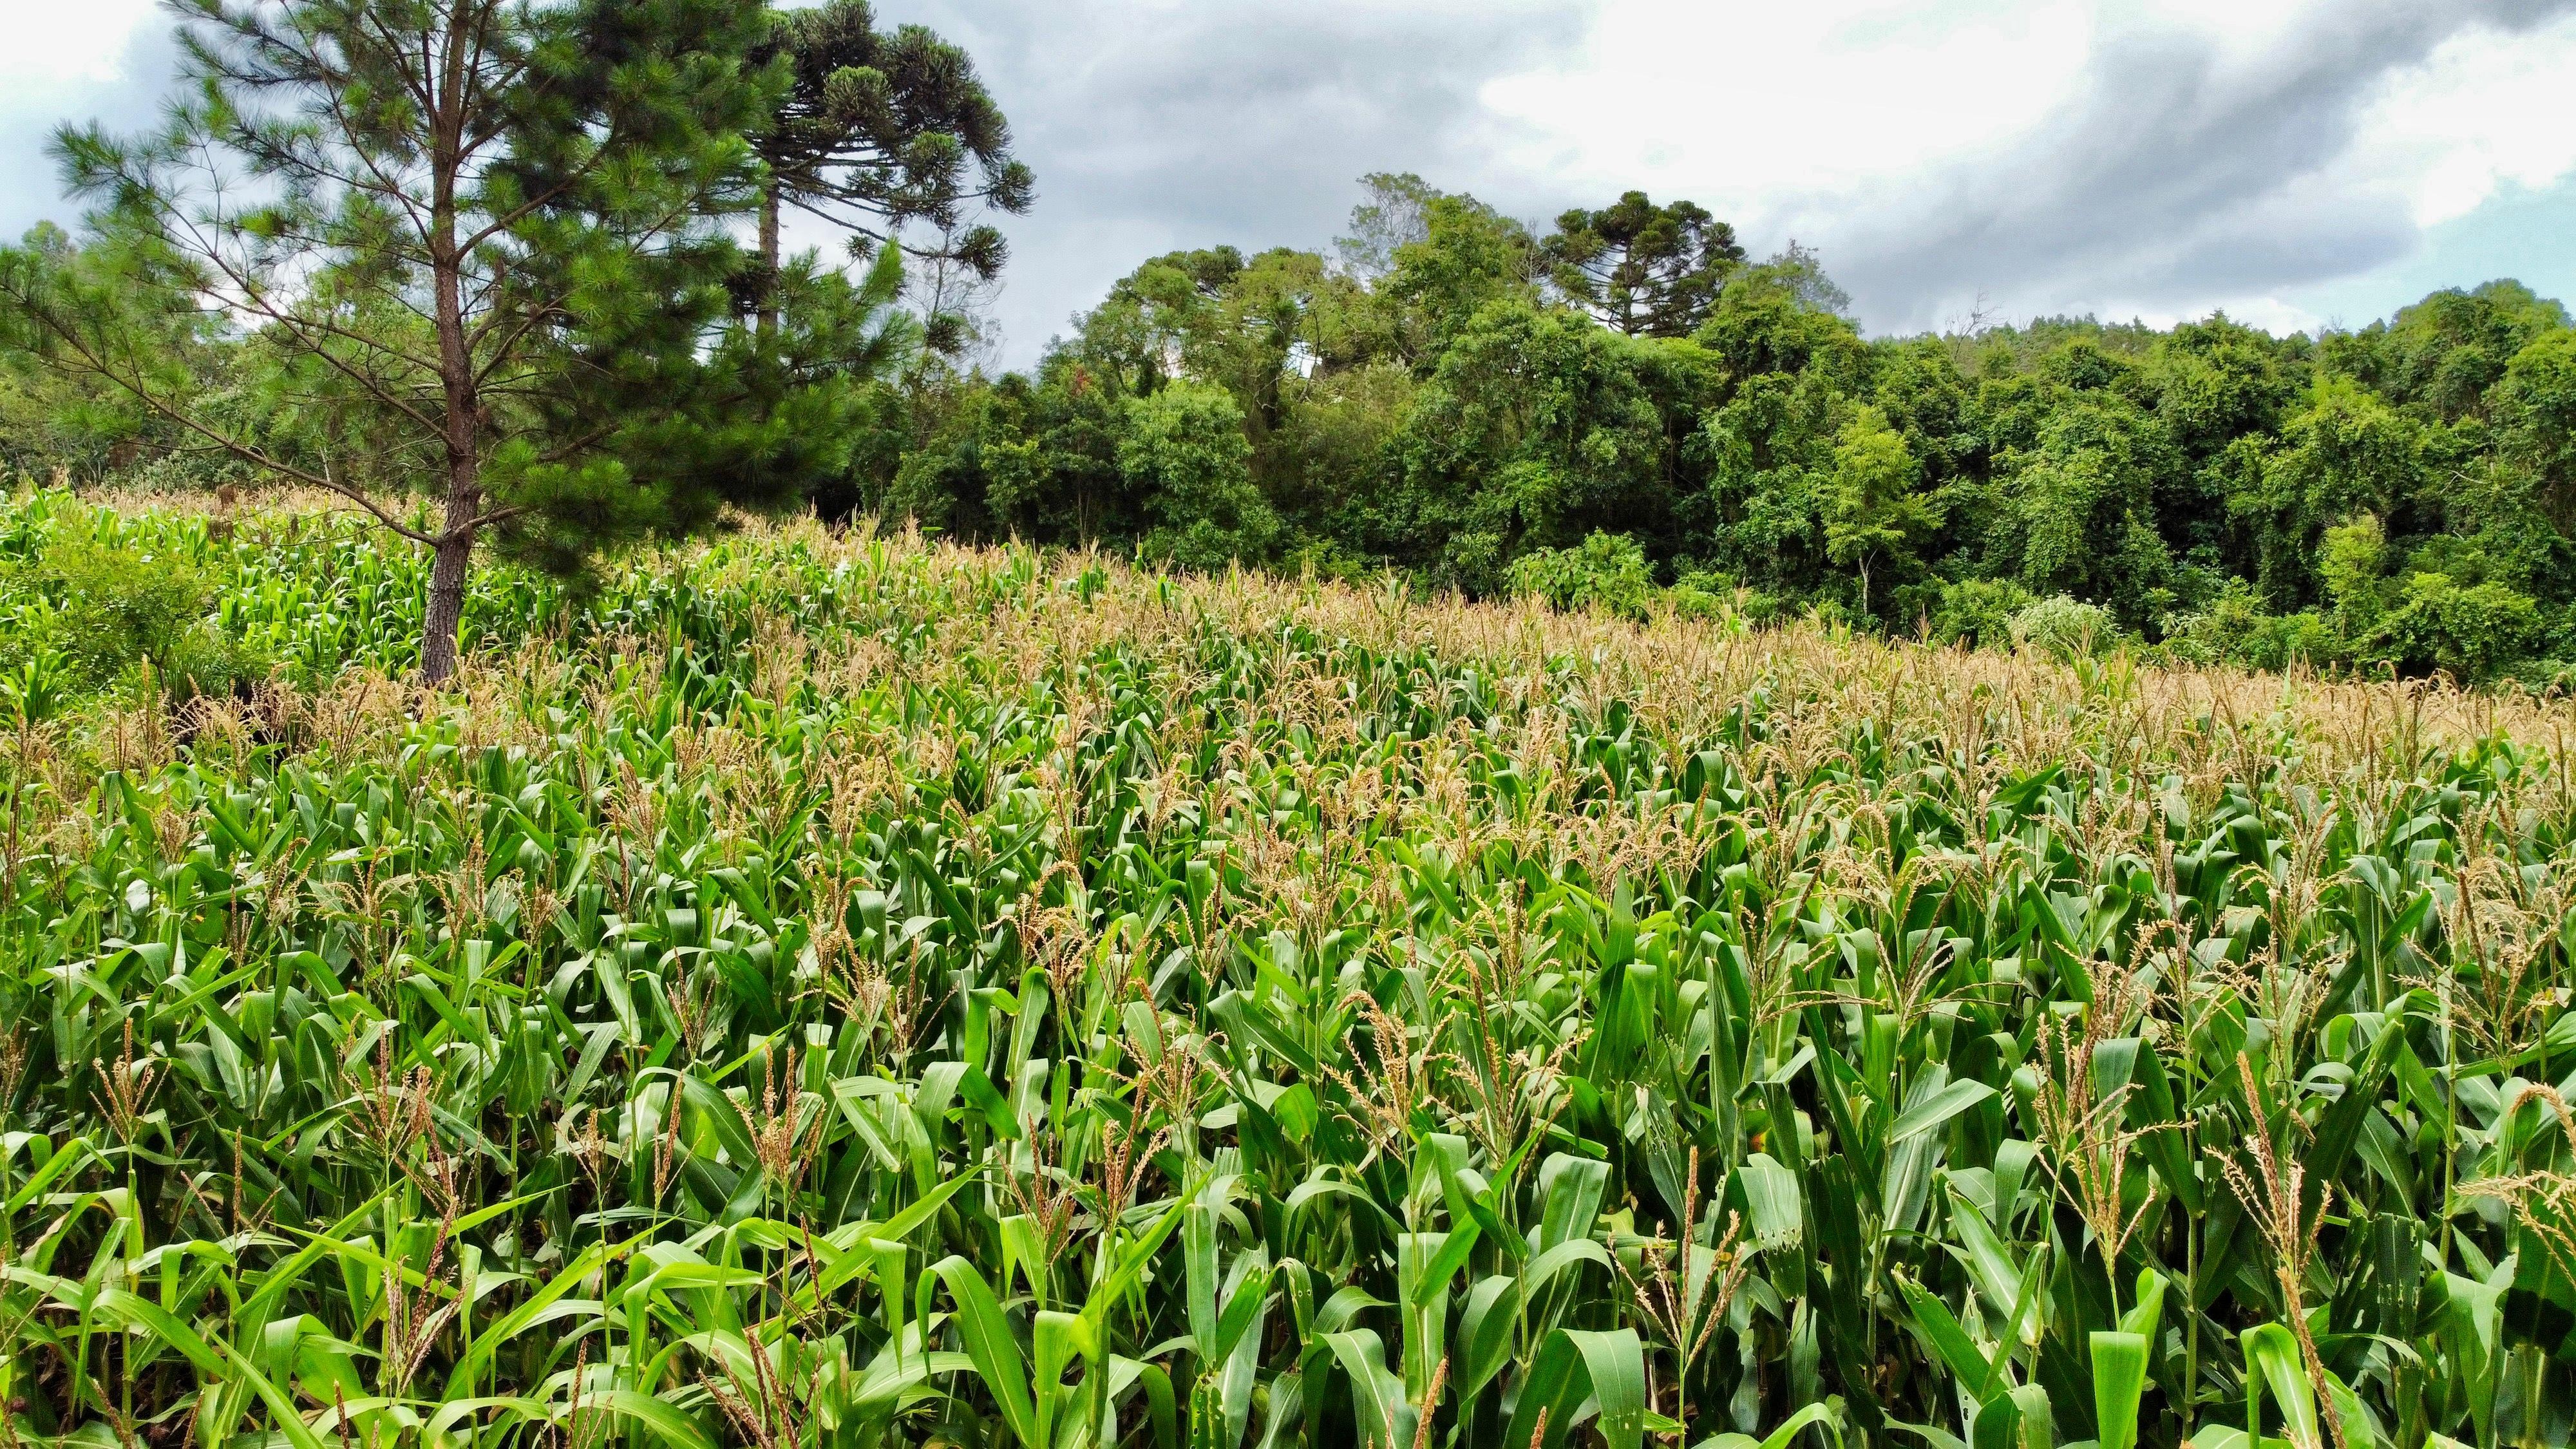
pixel 525 261
pixel 1627 411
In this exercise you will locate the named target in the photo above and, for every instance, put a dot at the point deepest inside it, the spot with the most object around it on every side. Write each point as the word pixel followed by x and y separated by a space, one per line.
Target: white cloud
pixel 54 45
pixel 69 61
pixel 1743 104
pixel 2483 110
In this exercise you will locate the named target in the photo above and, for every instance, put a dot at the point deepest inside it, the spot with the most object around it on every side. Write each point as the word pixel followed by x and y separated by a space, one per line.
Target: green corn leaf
pixel 2119 1384
pixel 1938 1109
pixel 1813 1416
pixel 1056 1340
pixel 989 1343
pixel 1998 1424
pixel 1940 1328
pixel 2273 1363
pixel 1443 1265
pixel 529 1314
pixel 1773 1204
pixel 1575 1369
pixel 1485 1332
pixel 2147 1313
pixel 660 1422
pixel 1385 1419
pixel 1571 1189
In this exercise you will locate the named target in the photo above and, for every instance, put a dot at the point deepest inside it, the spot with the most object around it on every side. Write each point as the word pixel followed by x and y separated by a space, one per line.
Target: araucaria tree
pixel 1644 269
pixel 483 248
pixel 880 130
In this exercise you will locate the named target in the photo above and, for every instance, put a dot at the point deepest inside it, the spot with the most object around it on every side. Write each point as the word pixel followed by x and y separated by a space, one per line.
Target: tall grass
pixel 831 990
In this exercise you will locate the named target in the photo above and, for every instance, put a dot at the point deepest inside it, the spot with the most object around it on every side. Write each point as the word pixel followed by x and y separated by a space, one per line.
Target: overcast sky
pixel 2297 163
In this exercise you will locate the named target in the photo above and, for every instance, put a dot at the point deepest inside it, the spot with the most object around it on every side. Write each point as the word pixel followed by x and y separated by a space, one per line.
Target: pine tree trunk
pixel 769 259
pixel 461 427
pixel 450 564
pixel 454 546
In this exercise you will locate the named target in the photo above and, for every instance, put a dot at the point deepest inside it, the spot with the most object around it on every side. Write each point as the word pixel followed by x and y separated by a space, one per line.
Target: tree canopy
pixel 476 248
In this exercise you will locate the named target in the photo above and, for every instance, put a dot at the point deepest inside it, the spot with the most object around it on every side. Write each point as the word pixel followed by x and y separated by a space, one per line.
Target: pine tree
pixel 485 246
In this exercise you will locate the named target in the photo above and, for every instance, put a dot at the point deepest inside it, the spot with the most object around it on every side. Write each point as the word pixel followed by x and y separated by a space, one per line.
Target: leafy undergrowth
pixel 820 990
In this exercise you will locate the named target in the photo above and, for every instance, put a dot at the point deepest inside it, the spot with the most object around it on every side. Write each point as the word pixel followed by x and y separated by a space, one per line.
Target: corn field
pixel 818 990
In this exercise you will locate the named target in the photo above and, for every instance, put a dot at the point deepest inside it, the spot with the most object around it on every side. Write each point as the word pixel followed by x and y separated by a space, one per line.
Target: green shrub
pixel 1185 453
pixel 1706 594
pixel 1979 612
pixel 130 616
pixel 2352 562
pixel 2236 629
pixel 206 662
pixel 1608 572
pixel 2471 631
pixel 2064 627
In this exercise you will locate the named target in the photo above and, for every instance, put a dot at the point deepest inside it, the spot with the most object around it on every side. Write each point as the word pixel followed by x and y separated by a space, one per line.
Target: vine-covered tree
pixel 881 128
pixel 1874 513
pixel 479 245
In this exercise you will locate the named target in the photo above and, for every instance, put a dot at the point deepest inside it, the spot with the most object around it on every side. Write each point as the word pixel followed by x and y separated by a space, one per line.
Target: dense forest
pixel 1626 404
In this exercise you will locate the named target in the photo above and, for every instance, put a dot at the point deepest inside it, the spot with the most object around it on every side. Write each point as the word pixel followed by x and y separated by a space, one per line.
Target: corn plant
pixel 827 989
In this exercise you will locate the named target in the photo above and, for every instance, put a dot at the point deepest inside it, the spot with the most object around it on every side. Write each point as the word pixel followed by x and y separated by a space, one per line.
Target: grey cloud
pixel 1150 127
pixel 30 188
pixel 1214 121
pixel 2181 175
